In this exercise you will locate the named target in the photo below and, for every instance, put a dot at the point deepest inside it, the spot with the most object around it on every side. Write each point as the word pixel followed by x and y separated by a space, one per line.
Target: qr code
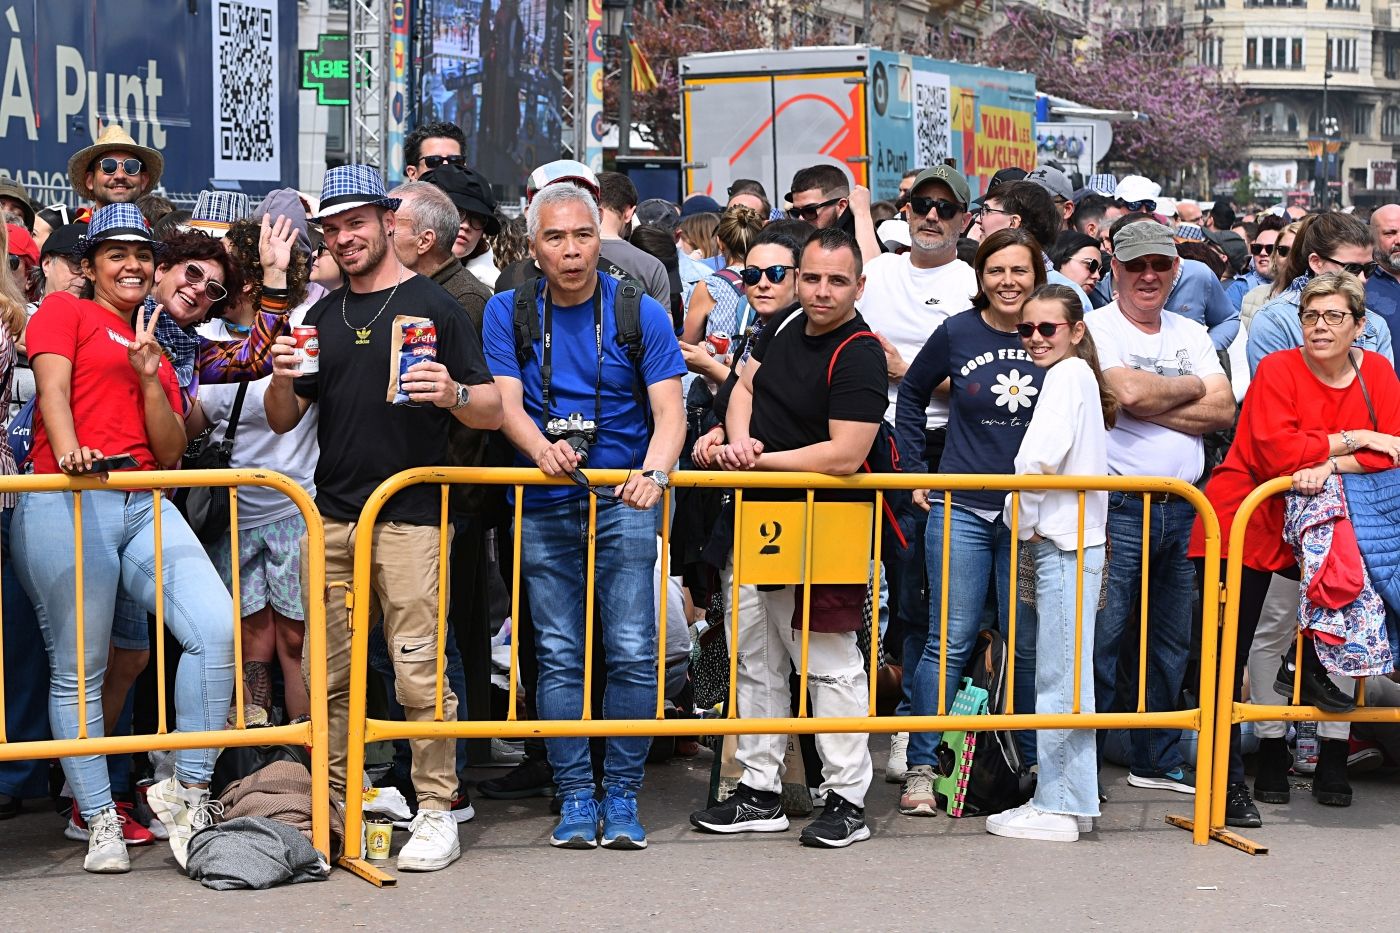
pixel 245 82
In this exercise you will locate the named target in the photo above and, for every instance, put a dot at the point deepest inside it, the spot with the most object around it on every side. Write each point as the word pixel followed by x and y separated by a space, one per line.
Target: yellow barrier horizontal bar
pixel 299 734
pixel 382 730
pixel 1248 712
pixel 147 480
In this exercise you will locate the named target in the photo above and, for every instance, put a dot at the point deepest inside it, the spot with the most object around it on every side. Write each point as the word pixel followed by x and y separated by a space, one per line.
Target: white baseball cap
pixel 1136 188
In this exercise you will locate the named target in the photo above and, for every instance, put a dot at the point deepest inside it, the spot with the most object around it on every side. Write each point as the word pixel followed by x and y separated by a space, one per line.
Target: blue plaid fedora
pixel 1103 184
pixel 117 222
pixel 350 186
pixel 216 211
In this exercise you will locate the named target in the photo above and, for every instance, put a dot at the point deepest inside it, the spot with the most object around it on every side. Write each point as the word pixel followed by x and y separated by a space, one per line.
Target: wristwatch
pixel 658 477
pixel 463 396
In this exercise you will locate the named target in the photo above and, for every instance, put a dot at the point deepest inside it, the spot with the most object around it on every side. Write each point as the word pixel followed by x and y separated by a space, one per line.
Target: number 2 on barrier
pixel 772 534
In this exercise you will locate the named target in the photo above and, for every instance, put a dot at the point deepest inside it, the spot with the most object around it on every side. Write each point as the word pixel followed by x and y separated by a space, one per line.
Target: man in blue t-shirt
pixel 591 379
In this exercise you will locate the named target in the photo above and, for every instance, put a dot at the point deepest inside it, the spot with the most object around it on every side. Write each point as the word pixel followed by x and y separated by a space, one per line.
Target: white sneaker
pixel 183 811
pixel 898 765
pixel 434 844
pixel 106 854
pixel 1086 823
pixel 1026 822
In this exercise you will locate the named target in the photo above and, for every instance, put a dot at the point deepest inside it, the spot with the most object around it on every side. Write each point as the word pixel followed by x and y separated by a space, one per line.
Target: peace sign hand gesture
pixel 144 353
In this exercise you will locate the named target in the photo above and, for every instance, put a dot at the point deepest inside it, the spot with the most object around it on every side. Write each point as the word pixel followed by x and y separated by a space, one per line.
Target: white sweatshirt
pixel 1066 437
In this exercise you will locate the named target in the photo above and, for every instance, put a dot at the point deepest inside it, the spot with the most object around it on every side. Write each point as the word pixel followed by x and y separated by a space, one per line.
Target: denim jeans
pixel 119 552
pixel 909 610
pixel 980 558
pixel 1068 760
pixel 553 556
pixel 1170 596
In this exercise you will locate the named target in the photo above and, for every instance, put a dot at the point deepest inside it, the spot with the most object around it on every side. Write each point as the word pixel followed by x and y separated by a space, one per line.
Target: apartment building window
pixel 1210 51
pixel 1361 120
pixel 1273 52
pixel 1299 3
pixel 1209 4
pixel 1341 54
pixel 1390 121
pixel 1392 61
pixel 1343 4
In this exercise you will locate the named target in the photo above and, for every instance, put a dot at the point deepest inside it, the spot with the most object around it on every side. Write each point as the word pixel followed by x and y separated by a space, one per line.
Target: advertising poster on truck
pixel 218 87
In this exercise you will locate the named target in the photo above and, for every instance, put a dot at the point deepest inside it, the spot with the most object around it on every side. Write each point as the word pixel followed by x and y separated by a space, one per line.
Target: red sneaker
pixel 1363 756
pixel 133 832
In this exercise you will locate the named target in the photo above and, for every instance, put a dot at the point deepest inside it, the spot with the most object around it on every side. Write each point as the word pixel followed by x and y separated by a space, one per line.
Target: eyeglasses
pixel 752 274
pixel 1046 328
pixel 947 210
pixel 1093 265
pixel 992 210
pixel 1262 249
pixel 129 166
pixel 436 161
pixel 1363 269
pixel 215 291
pixel 1282 251
pixel 1158 263
pixel 475 221
pixel 809 213
pixel 1147 205
pixel 1333 318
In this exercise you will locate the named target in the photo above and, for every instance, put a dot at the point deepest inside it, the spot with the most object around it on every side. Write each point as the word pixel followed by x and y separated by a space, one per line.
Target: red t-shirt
pixel 1284 423
pixel 108 413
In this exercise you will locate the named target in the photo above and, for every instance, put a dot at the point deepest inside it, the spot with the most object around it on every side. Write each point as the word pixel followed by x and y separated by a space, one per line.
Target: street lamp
pixel 617 21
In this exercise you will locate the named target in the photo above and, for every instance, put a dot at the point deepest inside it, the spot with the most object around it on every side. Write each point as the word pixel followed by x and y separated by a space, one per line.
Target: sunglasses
pixel 947 210
pixel 1363 269
pixel 475 221
pixel 1333 318
pixel 129 166
pixel 1282 251
pixel 215 291
pixel 436 161
pixel 1093 265
pixel 1046 328
pixel 809 213
pixel 1262 249
pixel 1145 205
pixel 1158 263
pixel 752 274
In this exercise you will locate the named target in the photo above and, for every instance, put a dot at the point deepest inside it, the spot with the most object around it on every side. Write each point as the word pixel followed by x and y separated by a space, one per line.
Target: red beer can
pixel 719 343
pixel 308 347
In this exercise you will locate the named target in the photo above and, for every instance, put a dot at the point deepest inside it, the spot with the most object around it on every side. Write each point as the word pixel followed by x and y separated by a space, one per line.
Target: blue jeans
pixel 909 596
pixel 553 554
pixel 1068 760
pixel 119 553
pixel 1170 596
pixel 980 558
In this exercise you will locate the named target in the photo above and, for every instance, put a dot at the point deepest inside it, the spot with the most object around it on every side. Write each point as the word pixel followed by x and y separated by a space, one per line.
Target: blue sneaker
pixel 578 822
pixel 621 828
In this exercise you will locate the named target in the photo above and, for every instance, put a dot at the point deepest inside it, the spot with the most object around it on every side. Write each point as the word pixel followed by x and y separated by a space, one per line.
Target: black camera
pixel 579 432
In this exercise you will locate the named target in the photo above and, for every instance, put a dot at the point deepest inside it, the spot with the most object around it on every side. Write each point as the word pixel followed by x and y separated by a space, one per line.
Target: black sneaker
pixel 1318 689
pixel 744 811
pixel 1240 809
pixel 840 824
pixel 9 807
pixel 530 778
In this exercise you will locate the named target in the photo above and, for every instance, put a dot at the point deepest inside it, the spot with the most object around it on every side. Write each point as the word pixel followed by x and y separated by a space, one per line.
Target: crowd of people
pixel 1039 329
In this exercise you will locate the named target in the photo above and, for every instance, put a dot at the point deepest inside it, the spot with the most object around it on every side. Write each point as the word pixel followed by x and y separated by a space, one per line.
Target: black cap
pixel 66 241
pixel 469 190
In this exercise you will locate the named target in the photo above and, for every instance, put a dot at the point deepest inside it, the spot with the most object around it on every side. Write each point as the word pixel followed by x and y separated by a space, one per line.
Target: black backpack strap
pixel 627 317
pixel 527 320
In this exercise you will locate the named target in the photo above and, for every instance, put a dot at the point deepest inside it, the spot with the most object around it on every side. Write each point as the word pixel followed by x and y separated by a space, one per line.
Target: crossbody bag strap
pixel 232 430
pixel 1365 393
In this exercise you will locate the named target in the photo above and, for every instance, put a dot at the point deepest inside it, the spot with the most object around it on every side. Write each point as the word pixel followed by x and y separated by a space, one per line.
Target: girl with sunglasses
pixel 1067 436
pixel 715 303
pixel 1078 258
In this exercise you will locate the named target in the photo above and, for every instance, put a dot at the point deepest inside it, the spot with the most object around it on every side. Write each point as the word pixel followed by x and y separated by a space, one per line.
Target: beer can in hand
pixel 719 344
pixel 308 349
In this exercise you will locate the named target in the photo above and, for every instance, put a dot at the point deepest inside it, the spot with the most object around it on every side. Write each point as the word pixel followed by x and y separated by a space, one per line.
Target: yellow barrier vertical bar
pixel 1079 606
pixel 1142 600
pixel 238 685
pixel 1360 693
pixel 732 704
pixel 1298 671
pixel 515 605
pixel 591 582
pixel 875 597
pixel 943 605
pixel 806 600
pixel 78 608
pixel 665 589
pixel 1015 575
pixel 318 688
pixel 162 725
pixel 362 542
pixel 444 553
pixel 1207 747
pixel 3 738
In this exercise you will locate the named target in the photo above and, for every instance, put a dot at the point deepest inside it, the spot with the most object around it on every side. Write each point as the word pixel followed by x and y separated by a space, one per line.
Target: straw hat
pixel 112 139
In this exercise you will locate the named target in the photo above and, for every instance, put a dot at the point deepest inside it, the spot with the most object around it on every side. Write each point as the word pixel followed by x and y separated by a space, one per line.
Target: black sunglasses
pixel 129 166
pixel 1046 328
pixel 1147 205
pixel 1364 269
pixel 1159 264
pixel 752 274
pixel 214 290
pixel 809 213
pixel 947 210
pixel 1093 265
pixel 1261 249
pixel 1282 251
pixel 436 161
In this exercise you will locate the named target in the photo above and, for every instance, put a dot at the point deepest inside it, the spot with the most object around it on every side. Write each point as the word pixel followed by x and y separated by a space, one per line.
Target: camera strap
pixel 547 352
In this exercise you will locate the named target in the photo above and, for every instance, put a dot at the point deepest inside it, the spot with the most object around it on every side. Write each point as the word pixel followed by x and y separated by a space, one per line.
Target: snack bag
pixel 414 341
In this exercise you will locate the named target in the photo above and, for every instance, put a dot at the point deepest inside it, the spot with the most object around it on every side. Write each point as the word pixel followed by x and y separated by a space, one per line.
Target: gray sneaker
pixel 106 854
pixel 184 811
pixel 917 797
pixel 898 764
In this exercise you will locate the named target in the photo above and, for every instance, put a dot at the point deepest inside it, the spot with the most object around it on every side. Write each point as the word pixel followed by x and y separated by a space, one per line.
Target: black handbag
pixel 206 508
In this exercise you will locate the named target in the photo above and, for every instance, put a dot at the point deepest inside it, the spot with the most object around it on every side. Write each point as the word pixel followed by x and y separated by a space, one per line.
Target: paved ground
pixel 931 873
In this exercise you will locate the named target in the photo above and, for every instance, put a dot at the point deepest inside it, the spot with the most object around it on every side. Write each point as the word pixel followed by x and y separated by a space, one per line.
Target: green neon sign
pixel 326 70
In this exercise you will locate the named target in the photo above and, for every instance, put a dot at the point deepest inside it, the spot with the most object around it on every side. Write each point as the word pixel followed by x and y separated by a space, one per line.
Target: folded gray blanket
pixel 252 852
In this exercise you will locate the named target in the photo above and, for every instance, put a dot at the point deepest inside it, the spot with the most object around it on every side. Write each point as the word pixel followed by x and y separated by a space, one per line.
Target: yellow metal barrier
pixel 312 733
pixel 845 553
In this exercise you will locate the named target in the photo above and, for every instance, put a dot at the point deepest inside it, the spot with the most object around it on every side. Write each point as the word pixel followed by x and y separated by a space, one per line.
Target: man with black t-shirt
pixel 365 439
pixel 811 398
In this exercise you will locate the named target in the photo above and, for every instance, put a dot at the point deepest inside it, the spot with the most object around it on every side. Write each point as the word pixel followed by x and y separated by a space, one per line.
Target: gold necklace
pixel 362 333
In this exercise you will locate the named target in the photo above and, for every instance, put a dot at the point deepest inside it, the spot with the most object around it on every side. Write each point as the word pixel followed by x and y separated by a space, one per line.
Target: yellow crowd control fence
pixel 311 733
pixel 1231 712
pixel 803 541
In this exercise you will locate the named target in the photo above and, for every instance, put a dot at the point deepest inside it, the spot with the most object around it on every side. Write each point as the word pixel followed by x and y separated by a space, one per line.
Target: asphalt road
pixel 1327 868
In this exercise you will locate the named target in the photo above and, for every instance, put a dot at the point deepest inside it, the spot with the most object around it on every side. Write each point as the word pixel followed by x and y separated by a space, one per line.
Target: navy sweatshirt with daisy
pixel 993 391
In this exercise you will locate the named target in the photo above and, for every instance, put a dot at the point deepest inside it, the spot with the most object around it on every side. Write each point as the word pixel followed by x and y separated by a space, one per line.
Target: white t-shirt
pixel 484 268
pixel 257 446
pixel 905 305
pixel 1181 347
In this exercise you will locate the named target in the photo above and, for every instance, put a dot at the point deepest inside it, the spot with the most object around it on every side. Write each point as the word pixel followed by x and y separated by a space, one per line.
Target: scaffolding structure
pixel 369 42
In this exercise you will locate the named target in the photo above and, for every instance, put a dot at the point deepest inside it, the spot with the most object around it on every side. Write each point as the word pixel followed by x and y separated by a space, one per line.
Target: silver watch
pixel 463 396
pixel 658 477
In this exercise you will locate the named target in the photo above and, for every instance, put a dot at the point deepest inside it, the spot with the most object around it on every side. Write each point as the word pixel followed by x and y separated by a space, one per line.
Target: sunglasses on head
pixel 1363 269
pixel 436 161
pixel 752 274
pixel 1158 264
pixel 129 166
pixel 1046 328
pixel 1261 249
pixel 1146 204
pixel 809 213
pixel 947 210
pixel 215 291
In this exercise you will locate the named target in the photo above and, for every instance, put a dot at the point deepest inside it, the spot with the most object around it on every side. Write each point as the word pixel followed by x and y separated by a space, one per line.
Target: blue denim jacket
pixel 1276 327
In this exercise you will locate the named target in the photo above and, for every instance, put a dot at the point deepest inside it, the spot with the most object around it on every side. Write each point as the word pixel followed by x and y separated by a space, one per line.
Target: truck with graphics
pixel 764 114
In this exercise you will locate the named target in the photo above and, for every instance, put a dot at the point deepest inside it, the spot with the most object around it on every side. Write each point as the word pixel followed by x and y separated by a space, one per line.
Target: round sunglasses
pixel 109 166
pixel 214 290
pixel 752 274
